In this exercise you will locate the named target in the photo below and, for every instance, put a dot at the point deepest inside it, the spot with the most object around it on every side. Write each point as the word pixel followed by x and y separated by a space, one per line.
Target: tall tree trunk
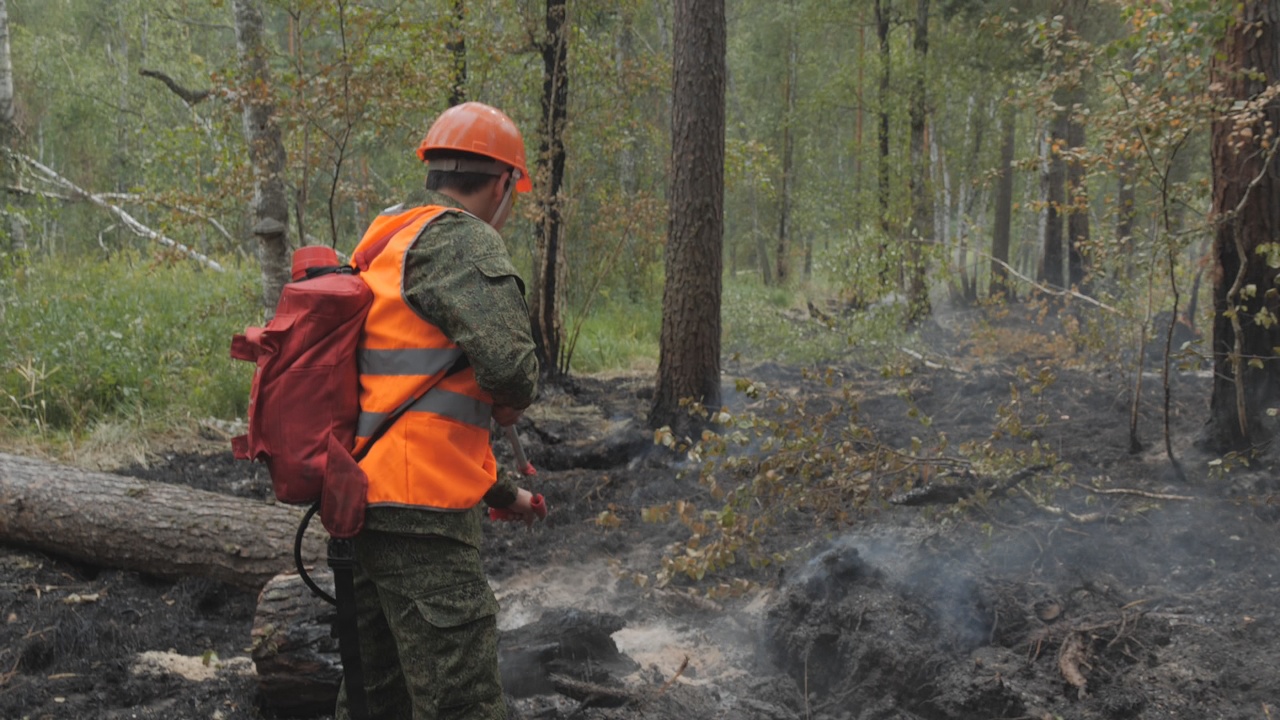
pixel 270 208
pixel 13 231
pixel 1126 202
pixel 1003 221
pixel 6 78
pixel 921 235
pixel 1246 204
pixel 788 156
pixel 1052 256
pixel 1078 204
pixel 859 120
pixel 457 48
pixel 549 276
pixel 882 164
pixel 689 356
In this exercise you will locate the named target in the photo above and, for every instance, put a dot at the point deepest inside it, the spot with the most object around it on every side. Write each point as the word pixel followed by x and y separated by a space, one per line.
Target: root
pixel 1072 656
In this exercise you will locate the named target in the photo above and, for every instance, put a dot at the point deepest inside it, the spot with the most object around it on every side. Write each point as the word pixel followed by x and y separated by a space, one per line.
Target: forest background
pixel 885 162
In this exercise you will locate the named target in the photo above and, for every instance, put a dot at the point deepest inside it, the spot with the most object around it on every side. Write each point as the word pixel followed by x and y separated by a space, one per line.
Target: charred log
pixel 155 528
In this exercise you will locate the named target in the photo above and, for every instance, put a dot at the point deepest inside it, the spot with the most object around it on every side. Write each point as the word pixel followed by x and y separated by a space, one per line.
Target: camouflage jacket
pixel 459 277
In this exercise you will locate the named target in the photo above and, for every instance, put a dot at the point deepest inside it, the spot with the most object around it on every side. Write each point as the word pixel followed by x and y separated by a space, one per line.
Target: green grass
pixel 758 324
pixel 94 342
pixel 618 335
pixel 89 339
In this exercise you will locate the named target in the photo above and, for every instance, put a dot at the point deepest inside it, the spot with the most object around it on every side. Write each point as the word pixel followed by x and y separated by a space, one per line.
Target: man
pixel 448 334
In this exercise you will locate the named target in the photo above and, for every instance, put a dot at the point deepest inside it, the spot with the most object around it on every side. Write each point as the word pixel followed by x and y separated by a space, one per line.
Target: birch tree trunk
pixel 270 208
pixel 6 77
pixel 14 227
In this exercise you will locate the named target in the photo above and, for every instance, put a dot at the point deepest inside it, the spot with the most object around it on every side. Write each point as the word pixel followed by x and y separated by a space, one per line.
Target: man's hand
pixel 527 507
pixel 506 416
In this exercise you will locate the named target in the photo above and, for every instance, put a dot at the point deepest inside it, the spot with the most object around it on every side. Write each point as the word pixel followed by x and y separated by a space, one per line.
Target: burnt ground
pixel 1102 586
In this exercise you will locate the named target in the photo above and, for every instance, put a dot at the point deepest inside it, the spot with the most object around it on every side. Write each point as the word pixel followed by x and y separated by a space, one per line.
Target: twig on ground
pixel 1128 491
pixel 1086 518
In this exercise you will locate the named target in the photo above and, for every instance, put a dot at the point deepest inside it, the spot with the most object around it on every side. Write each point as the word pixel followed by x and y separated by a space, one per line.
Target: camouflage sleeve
pixel 503 492
pixel 459 277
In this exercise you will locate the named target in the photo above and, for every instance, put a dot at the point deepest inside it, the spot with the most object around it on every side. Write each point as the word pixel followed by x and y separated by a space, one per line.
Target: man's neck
pixel 466 202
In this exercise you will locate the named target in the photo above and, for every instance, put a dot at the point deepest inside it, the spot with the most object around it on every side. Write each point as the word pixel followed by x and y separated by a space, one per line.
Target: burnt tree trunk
pixel 270 208
pixel 1053 253
pixel 457 49
pixel 548 294
pixel 783 257
pixel 294 651
pixel 921 236
pixel 1078 212
pixel 1003 223
pixel 882 159
pixel 689 355
pixel 155 528
pixel 1246 205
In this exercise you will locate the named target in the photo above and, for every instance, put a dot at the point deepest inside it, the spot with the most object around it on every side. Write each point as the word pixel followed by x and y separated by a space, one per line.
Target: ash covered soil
pixel 1105 587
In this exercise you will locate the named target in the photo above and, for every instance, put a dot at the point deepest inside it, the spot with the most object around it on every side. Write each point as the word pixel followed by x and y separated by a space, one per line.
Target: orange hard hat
pixel 481 129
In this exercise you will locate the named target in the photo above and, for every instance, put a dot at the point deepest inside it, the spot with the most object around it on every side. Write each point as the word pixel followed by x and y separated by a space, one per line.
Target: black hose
pixel 297 555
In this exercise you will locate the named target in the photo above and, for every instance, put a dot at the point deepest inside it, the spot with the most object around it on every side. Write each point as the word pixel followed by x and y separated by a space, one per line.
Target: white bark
pixel 128 220
pixel 6 69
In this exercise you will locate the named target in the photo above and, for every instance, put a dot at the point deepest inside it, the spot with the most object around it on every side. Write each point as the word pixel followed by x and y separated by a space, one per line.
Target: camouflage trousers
pixel 428 630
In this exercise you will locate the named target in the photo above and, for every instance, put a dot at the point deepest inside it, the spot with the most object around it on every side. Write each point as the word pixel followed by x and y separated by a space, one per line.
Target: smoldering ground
pixel 1105 590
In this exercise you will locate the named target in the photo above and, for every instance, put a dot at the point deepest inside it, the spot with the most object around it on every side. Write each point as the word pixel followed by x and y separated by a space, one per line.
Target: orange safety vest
pixel 436 454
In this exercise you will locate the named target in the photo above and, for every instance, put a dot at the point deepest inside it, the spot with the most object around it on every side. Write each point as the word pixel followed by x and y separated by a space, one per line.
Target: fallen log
pixel 294 651
pixel 150 527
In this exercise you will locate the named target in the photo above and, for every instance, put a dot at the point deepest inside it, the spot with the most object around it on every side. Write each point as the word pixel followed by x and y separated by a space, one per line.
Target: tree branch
pixel 190 97
pixel 185 209
pixel 129 221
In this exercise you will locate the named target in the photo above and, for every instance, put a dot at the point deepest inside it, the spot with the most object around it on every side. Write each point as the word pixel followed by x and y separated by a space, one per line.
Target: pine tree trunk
pixel 1246 202
pixel 151 527
pixel 689 356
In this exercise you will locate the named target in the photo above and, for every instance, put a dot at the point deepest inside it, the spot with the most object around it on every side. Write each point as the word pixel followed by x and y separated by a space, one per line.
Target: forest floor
pixel 1105 587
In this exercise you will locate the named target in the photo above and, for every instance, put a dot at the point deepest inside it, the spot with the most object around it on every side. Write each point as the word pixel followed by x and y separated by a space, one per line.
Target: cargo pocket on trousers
pixel 461 604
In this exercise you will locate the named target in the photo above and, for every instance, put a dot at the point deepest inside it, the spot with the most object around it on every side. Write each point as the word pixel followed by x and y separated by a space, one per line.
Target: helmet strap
pixel 506 199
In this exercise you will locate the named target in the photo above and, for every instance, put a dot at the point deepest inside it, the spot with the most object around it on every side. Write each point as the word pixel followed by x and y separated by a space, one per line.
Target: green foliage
pixel 618 335
pixel 89 339
pixel 808 456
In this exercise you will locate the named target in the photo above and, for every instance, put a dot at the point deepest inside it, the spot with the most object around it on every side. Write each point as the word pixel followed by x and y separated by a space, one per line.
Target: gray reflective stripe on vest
pixel 440 402
pixel 416 361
